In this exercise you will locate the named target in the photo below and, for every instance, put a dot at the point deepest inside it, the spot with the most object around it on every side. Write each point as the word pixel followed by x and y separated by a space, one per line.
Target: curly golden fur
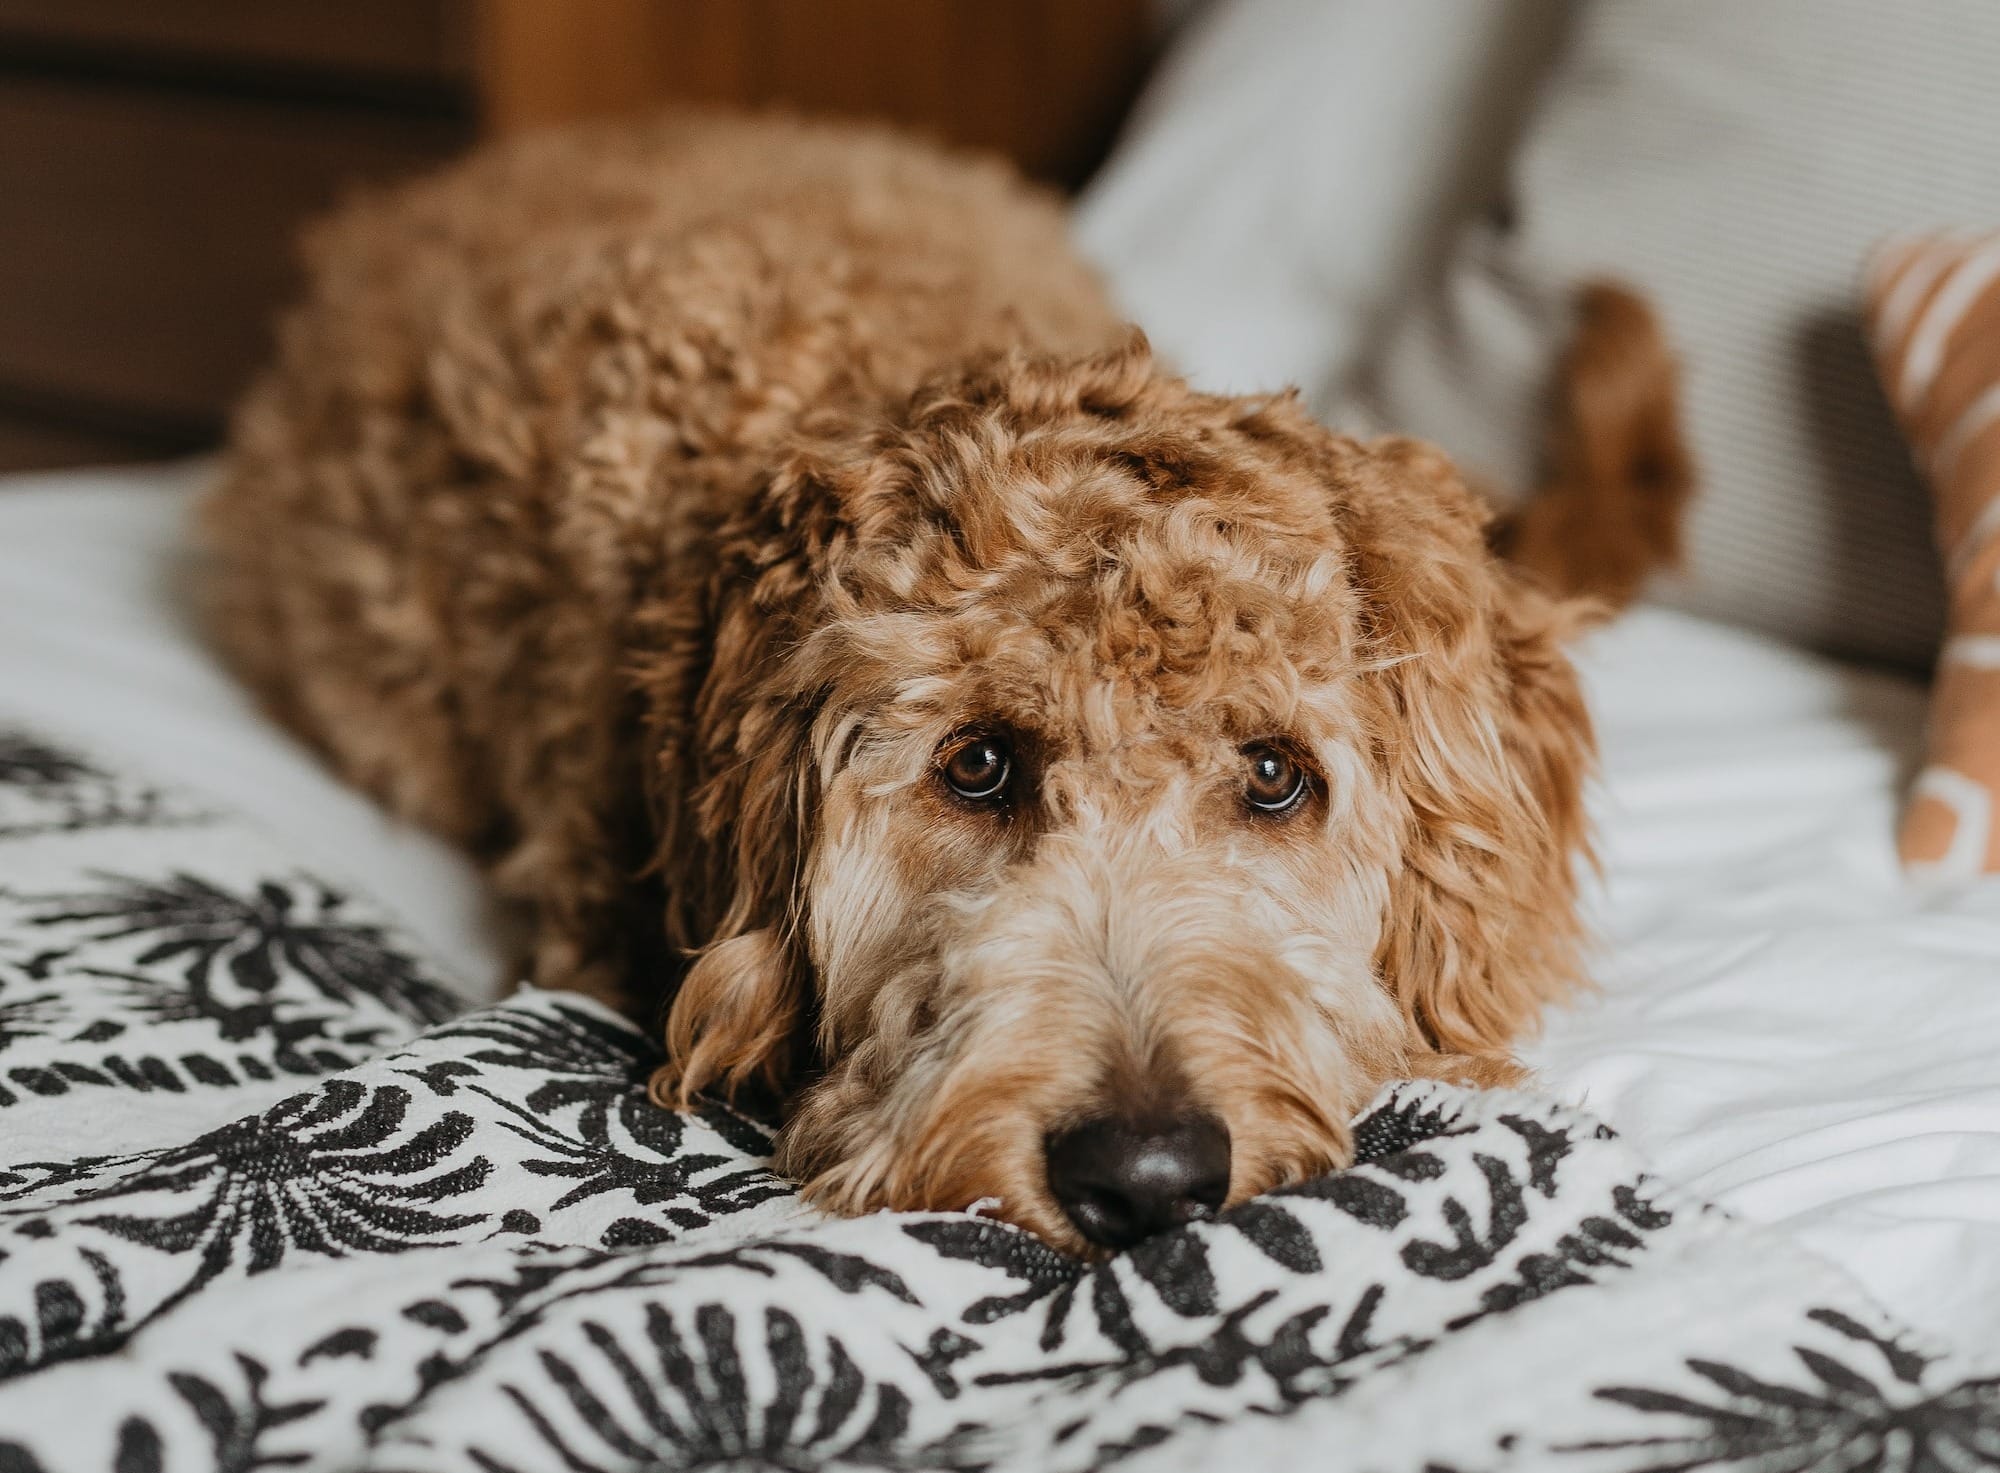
pixel 1608 513
pixel 658 508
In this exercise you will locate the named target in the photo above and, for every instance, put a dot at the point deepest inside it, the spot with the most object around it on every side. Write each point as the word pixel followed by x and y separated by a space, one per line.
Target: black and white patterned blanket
pixel 270 1199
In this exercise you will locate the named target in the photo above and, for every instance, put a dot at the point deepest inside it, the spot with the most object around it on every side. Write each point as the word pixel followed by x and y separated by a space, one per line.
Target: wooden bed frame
pixel 158 156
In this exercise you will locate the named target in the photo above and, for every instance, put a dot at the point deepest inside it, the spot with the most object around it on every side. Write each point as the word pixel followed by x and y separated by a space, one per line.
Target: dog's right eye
pixel 1275 783
pixel 977 769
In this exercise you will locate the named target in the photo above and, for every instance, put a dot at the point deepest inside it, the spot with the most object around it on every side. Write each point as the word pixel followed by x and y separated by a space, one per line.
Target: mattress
pixel 1781 1023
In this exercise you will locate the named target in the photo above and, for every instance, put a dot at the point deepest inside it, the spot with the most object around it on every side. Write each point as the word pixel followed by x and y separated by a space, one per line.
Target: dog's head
pixel 1083 792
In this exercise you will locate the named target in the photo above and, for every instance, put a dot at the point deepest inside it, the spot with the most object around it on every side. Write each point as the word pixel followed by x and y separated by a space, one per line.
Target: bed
pixel 1783 1028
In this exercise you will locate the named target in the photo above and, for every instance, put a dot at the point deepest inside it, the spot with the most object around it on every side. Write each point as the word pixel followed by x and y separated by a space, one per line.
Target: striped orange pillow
pixel 1933 306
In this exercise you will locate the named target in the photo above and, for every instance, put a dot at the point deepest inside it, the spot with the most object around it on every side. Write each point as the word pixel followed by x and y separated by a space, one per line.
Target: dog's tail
pixel 1620 476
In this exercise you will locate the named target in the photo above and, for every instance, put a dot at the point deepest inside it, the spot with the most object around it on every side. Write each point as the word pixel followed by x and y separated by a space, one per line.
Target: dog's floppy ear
pixel 732 692
pixel 733 1022
pixel 1488 744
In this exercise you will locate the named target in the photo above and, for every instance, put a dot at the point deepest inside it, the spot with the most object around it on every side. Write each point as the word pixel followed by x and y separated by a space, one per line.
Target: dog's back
pixel 517 392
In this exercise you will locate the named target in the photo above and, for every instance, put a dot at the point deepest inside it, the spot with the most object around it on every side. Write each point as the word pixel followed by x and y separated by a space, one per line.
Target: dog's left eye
pixel 1275 783
pixel 978 770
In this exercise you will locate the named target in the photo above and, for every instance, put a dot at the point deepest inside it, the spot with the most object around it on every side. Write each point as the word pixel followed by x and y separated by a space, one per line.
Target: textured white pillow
pixel 1292 166
pixel 1735 161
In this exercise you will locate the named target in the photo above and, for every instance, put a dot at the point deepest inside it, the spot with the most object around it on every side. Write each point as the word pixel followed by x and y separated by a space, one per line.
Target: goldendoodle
pixel 1057 787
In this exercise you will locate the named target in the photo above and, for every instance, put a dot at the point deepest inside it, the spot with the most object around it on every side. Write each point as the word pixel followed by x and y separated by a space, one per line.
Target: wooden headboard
pixel 158 156
pixel 1045 81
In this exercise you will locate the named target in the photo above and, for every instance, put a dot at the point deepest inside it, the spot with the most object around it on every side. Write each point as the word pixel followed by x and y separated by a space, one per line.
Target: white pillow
pixel 1292 165
pixel 1735 161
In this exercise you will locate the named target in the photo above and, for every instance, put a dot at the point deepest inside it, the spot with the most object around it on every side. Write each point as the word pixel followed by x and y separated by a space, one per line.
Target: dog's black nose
pixel 1122 1181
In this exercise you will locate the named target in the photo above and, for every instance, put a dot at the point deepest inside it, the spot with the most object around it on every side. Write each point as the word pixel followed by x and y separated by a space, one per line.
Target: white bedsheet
pixel 98 642
pixel 1783 1024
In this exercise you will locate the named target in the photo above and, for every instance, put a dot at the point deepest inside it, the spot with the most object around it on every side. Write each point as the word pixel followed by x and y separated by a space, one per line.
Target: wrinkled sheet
pixel 1786 1024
